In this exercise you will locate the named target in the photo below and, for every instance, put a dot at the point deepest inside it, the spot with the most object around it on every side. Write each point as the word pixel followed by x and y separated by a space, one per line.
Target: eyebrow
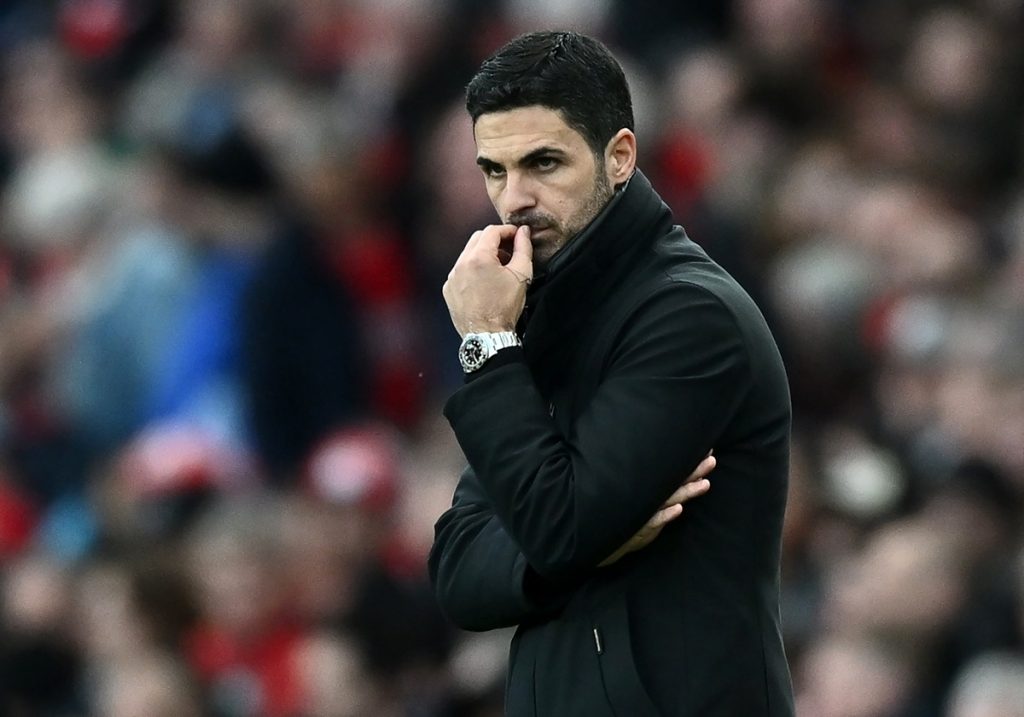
pixel 536 154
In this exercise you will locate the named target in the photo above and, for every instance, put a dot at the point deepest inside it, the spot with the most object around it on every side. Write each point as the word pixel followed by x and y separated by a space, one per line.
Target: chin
pixel 542 254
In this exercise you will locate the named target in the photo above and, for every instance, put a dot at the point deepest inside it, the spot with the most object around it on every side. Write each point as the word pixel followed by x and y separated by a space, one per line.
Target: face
pixel 542 173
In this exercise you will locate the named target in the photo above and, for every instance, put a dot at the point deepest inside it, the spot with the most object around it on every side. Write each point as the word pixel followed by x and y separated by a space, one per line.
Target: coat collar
pixel 592 264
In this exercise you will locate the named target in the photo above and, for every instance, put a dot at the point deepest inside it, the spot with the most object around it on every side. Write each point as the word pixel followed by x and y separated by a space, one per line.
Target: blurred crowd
pixel 224 225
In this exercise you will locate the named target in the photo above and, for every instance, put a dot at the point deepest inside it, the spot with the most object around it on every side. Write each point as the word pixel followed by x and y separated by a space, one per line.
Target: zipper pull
pixel 597 642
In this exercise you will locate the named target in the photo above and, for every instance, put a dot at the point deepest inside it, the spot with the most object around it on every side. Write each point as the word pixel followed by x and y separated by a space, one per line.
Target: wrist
pixel 481 327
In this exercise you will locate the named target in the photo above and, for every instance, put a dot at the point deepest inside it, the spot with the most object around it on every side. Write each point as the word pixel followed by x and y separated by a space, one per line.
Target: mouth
pixel 536 224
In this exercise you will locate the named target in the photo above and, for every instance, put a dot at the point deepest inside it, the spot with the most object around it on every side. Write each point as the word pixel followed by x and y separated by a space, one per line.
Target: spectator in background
pixel 991 685
pixel 39 665
pixel 335 681
pixel 328 323
pixel 245 644
pixel 58 204
pixel 854 677
pixel 228 213
pixel 153 686
pixel 353 571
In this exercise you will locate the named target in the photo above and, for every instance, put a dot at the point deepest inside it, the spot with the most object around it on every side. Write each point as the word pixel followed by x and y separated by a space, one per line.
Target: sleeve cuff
pixel 512 354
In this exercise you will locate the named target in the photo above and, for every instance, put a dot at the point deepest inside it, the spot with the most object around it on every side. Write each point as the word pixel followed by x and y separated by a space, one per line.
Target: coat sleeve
pixel 674 379
pixel 480 576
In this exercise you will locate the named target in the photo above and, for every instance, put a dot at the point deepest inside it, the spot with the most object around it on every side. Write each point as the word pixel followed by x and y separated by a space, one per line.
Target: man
pixel 606 355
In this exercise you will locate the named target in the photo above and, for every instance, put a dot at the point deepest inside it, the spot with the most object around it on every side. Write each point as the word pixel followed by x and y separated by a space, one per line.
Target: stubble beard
pixel 599 196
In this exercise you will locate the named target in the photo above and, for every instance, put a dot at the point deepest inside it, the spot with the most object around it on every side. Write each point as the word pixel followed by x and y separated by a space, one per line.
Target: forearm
pixel 562 509
pixel 480 576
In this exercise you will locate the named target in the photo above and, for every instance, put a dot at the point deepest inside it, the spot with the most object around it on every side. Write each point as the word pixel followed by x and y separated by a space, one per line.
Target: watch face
pixel 472 354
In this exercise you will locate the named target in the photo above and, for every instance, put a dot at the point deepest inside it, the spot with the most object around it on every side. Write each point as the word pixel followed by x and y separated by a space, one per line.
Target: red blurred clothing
pixel 222 661
pixel 376 269
pixel 17 520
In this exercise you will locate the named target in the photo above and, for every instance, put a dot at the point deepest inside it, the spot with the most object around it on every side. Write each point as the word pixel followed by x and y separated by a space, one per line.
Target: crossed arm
pixel 481 575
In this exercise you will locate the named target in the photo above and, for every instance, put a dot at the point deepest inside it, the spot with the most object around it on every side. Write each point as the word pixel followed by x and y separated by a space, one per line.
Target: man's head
pixel 553 122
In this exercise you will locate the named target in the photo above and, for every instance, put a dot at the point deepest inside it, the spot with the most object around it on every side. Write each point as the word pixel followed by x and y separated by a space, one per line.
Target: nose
pixel 519 194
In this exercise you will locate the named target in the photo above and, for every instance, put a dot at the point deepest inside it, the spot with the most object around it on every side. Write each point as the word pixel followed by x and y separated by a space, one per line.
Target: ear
pixel 620 157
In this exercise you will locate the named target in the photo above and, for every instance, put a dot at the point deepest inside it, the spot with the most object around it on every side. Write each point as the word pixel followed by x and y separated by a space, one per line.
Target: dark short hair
pixel 564 71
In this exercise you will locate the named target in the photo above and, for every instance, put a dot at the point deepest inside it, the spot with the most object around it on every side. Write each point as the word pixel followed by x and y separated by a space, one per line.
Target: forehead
pixel 511 134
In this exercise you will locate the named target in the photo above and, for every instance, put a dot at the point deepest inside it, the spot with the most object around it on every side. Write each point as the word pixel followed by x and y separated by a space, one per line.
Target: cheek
pixel 495 196
pixel 560 198
pixel 577 193
pixel 564 208
pixel 574 199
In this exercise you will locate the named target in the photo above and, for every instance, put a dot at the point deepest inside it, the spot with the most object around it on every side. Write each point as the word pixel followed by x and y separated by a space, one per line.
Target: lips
pixel 535 221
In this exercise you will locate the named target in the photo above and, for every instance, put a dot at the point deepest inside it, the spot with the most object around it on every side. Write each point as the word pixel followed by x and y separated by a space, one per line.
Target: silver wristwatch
pixel 477 348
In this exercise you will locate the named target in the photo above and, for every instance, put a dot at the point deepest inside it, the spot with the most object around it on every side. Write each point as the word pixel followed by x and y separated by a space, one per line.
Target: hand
pixel 483 292
pixel 695 485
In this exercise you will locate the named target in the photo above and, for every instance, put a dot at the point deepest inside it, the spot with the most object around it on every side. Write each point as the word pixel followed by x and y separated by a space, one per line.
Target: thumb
pixel 522 253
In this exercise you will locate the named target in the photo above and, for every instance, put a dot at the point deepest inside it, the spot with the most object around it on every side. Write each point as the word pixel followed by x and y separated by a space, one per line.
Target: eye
pixel 545 164
pixel 493 171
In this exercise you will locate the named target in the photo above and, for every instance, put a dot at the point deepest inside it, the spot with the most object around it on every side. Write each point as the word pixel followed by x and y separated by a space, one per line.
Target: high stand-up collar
pixel 593 262
pixel 632 214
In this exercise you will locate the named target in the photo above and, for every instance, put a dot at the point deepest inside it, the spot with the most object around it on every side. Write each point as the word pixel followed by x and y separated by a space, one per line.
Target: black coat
pixel 640 355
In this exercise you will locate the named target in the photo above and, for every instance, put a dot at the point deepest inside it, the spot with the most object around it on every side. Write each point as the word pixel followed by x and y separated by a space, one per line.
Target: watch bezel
pixel 473 353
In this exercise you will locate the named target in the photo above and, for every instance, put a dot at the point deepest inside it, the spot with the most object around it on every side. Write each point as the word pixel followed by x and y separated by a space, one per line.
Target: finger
pixel 506 248
pixel 703 469
pixel 491 237
pixel 522 253
pixel 491 244
pixel 688 491
pixel 474 238
pixel 664 516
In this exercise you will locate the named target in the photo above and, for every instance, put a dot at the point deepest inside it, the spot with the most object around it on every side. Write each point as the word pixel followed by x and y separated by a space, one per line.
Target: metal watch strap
pixel 504 339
